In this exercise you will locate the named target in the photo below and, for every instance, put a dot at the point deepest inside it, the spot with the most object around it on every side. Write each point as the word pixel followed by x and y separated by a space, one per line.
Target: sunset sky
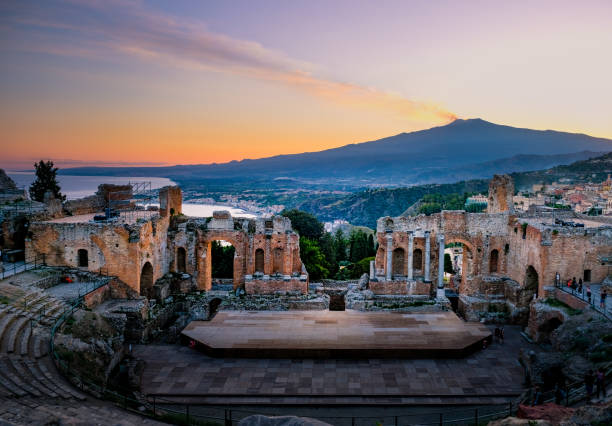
pixel 184 82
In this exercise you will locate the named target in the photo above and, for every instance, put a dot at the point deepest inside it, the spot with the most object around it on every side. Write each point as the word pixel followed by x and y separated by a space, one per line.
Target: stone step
pixel 53 376
pixel 35 371
pixel 31 379
pixel 29 300
pixel 10 388
pixel 9 373
pixel 24 341
pixel 5 324
pixel 40 345
pixel 15 333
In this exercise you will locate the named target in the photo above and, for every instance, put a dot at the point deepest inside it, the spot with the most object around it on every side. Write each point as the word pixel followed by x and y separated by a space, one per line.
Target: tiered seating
pixel 25 368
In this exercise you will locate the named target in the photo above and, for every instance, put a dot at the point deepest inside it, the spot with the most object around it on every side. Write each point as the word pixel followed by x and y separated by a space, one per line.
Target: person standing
pixel 589 293
pixel 580 286
pixel 557 279
pixel 602 299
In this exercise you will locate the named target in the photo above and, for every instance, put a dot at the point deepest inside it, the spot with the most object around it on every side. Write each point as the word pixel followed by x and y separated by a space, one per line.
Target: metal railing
pixel 10 269
pixel 607 313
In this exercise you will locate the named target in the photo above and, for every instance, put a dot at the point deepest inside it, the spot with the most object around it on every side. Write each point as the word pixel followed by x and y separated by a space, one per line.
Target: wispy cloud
pixel 93 27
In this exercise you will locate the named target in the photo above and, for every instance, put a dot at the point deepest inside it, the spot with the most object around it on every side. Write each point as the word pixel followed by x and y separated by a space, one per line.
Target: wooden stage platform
pixel 336 334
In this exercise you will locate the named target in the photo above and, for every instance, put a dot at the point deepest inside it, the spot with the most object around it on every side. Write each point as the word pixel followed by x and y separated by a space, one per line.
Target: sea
pixel 74 187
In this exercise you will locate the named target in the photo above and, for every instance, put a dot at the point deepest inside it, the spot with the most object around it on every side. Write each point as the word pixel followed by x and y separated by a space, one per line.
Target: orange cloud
pixel 126 26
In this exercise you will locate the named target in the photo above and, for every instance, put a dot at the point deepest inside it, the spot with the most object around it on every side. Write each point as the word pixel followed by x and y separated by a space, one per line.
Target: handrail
pixel 581 296
pixel 27 265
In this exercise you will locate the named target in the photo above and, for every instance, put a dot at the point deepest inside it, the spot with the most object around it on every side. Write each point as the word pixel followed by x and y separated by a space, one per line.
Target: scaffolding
pixel 130 204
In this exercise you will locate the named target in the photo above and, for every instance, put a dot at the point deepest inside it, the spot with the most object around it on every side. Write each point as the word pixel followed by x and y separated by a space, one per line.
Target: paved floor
pixel 336 333
pixel 178 370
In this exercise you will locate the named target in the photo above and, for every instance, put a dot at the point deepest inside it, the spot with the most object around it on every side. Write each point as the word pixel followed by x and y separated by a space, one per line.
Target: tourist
pixel 501 335
pixel 574 284
pixel 496 334
pixel 602 299
pixel 557 279
pixel 580 286
pixel 537 396
pixel 589 293
pixel 600 378
pixel 589 380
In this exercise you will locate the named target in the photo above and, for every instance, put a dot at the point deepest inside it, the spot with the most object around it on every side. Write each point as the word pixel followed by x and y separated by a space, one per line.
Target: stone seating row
pixel 25 368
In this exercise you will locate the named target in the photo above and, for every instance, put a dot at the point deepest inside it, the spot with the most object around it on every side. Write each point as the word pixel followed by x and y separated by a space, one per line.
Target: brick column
pixel 440 292
pixel 410 250
pixel 427 255
pixel 389 256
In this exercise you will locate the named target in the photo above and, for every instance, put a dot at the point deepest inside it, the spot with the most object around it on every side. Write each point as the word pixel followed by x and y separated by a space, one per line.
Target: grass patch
pixel 559 304
pixel 5 300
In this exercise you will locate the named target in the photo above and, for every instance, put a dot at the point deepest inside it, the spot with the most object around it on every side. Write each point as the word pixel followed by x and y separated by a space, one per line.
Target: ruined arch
pixel 181 259
pixel 530 285
pixel 146 280
pixel 398 262
pixel 494 261
pixel 83 258
pixel 259 261
pixel 417 260
pixel 468 264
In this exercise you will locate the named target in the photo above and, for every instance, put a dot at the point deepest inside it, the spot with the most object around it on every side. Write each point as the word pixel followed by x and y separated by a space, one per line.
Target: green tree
pixel 222 260
pixel 371 245
pixel 340 244
pixel 313 259
pixel 46 180
pixel 328 248
pixel 307 225
pixel 358 245
pixel 448 264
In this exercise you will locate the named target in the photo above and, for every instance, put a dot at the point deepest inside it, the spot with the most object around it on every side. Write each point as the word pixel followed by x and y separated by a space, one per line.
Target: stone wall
pixel 401 287
pixel 115 249
pixel 529 252
pixel 267 251
pixel 170 201
pixel 272 286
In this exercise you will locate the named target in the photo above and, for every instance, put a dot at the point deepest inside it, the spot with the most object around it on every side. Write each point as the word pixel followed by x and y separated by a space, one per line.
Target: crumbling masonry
pixel 140 251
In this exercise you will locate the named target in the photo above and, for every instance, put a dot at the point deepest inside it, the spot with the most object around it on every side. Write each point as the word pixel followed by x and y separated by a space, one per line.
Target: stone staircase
pixel 26 369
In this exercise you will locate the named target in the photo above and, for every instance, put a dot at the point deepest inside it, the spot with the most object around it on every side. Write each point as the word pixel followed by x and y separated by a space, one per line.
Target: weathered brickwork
pixel 267 257
pixel 504 255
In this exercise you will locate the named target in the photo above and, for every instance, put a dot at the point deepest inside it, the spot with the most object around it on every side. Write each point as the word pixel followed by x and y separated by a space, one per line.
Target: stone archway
pixel 398 262
pixel 146 281
pixel 417 260
pixel 468 265
pixel 83 258
pixel 494 262
pixel 530 286
pixel 181 260
pixel 259 261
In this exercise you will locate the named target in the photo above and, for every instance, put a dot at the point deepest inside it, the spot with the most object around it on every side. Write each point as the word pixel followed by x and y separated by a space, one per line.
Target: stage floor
pixel 336 334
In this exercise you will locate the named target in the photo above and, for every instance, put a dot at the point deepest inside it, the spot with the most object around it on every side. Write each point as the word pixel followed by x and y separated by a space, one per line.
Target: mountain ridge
pixel 406 158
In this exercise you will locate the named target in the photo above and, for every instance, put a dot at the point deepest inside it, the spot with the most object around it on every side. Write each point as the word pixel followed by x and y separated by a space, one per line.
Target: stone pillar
pixel 440 292
pixel 372 270
pixel 268 255
pixel 389 256
pixel 410 250
pixel 427 255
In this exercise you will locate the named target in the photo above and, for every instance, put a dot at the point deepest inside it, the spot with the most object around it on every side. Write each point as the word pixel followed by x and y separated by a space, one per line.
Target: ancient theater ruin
pixel 506 258
pixel 140 248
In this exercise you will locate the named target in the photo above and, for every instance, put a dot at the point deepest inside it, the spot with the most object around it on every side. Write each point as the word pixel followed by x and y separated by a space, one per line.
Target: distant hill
pixel 463 149
pixel 365 207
